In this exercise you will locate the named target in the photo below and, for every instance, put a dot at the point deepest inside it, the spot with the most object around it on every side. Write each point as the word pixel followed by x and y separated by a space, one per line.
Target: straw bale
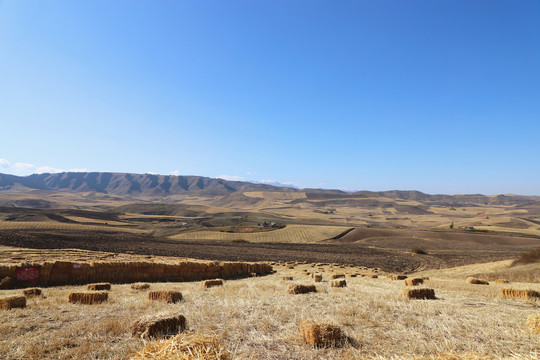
pixel 288 278
pixel 140 286
pixel 32 292
pixel 212 283
pixel 99 286
pixel 533 322
pixel 7 283
pixel 338 276
pixel 88 298
pixel 165 295
pixel 519 294
pixel 373 276
pixel 502 281
pixel 321 335
pixel 354 275
pixel 475 281
pixel 413 281
pixel 338 283
pixel 159 326
pixel 425 278
pixel 186 346
pixel 424 293
pixel 253 274
pixel 397 277
pixel 317 277
pixel 301 289
pixel 10 302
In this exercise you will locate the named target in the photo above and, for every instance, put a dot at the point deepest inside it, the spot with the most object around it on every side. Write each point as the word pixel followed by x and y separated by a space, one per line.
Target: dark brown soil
pixel 391 255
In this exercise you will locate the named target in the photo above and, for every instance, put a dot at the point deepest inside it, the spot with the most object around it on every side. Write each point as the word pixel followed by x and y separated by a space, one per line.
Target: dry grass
pixel 254 318
pixel 12 302
pixel 183 347
pixel 165 295
pixel 98 286
pixel 88 298
pixel 533 323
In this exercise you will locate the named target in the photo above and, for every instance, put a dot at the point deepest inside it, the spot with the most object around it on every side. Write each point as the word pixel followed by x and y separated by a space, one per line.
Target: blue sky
pixel 436 96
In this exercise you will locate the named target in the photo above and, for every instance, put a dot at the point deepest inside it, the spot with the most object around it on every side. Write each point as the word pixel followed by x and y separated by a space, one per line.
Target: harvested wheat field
pixel 256 318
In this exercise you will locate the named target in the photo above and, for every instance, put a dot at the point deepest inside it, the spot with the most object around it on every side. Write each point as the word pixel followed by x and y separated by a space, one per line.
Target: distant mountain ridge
pixel 128 184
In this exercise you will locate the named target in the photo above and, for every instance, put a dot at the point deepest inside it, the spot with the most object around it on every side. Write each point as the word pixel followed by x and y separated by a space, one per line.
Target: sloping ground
pixel 290 234
pixel 439 240
pixel 54 225
pixel 490 271
pixel 395 260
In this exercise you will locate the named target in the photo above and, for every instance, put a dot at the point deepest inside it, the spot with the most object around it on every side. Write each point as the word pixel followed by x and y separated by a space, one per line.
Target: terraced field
pixel 290 234
pixel 53 225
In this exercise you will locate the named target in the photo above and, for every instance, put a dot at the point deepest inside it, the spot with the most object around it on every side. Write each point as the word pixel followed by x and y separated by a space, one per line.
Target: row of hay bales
pixel 72 273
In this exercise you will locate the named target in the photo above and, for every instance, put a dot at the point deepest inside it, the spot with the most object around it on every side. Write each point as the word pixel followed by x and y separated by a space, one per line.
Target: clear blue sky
pixel 437 96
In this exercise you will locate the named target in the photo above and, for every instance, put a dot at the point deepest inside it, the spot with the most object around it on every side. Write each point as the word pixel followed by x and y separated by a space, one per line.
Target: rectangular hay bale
pixel 140 286
pixel 321 335
pixel 212 283
pixel 338 276
pixel 32 292
pixel 301 289
pixel 519 294
pixel 98 287
pixel 165 295
pixel 158 326
pixel 475 281
pixel 88 298
pixel 413 281
pixel 408 293
pixel 338 283
pixel 533 322
pixel 11 302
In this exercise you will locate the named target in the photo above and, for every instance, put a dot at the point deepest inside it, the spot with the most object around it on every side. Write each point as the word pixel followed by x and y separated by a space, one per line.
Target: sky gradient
pixel 436 96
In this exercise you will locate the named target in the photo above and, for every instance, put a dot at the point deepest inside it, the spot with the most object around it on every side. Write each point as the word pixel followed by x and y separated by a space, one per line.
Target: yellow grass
pixel 290 234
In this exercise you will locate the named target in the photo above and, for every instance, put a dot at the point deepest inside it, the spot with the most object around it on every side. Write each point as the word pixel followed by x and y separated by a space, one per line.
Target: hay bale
pixel 158 326
pixel 519 294
pixel 187 346
pixel 317 277
pixel 413 281
pixel 353 275
pixel 253 274
pixel 533 322
pixel 11 302
pixel 288 278
pixel 98 287
pixel 140 286
pixel 301 289
pixel 7 283
pixel 321 335
pixel 32 292
pixel 475 281
pixel 212 283
pixel 373 276
pixel 165 295
pixel 338 283
pixel 88 298
pixel 397 277
pixel 407 293
pixel 338 276
pixel 502 281
pixel 425 278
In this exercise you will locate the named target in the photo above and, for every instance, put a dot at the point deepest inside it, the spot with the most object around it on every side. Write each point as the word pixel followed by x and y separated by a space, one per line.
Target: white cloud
pixel 24 166
pixel 231 177
pixel 4 162
pixel 175 172
pixel 47 169
pixel 278 183
pixel 151 173
pixel 78 170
